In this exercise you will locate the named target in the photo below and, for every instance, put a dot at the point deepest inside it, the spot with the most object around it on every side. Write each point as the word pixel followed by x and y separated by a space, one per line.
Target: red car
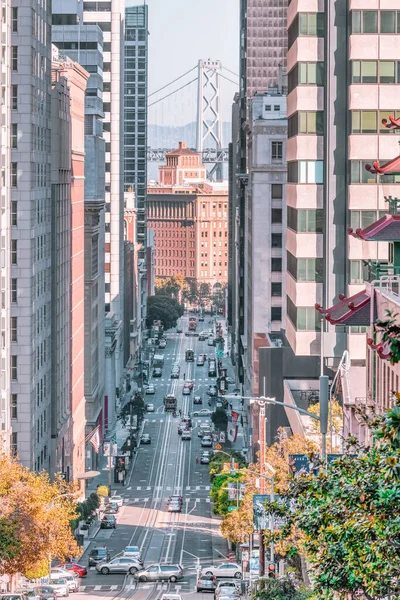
pixel 82 571
pixel 189 383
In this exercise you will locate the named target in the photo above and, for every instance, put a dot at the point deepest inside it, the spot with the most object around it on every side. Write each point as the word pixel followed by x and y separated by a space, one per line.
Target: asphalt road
pixel 166 466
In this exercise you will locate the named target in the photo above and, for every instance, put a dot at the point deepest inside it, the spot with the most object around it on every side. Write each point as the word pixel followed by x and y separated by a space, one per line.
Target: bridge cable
pixel 174 92
pixel 232 73
pixel 171 82
pixel 227 78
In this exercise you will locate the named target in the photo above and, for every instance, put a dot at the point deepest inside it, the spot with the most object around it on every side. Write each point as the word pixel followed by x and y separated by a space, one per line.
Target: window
pixel 306 171
pixel 306 24
pixel 390 21
pixel 364 21
pixel 305 269
pixel 14 212
pixel 14 20
pixel 14 444
pixel 276 191
pixel 276 289
pixel 95 255
pixel 14 367
pixel 311 122
pixel 14 135
pixel 14 174
pixel 14 252
pixel 359 174
pixel 306 73
pixel 14 406
pixel 277 151
pixel 14 97
pixel 13 325
pixel 305 220
pixel 276 265
pixel 276 240
pixel 276 313
pixel 13 291
pixel 14 58
pixel 276 215
pixel 304 318
pixel 364 218
pixel 356 271
pixel 364 71
pixel 364 121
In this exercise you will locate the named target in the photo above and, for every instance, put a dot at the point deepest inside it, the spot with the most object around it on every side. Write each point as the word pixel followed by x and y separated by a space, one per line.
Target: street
pixel 166 466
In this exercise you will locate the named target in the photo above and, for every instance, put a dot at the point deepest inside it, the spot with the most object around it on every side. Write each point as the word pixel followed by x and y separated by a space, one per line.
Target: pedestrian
pixel 184 376
pixel 197 460
pixel 180 412
pixel 230 405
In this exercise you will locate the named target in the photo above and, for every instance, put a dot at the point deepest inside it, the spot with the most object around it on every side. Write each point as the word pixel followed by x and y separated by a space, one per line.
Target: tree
pixel 163 308
pixel 219 491
pixel 349 515
pixel 337 416
pixel 171 286
pixel 281 589
pixel 35 520
pixel 204 292
pixel 220 419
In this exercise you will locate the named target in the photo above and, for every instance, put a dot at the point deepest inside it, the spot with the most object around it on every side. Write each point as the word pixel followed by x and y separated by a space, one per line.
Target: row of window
pixel 375 21
pixel 306 73
pixel 304 318
pixel 306 122
pixel 305 220
pixel 305 269
pixel 306 24
pixel 375 71
pixel 370 121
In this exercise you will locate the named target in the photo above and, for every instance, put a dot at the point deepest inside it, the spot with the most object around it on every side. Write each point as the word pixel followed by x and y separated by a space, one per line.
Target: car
pixel 13 596
pixel 157 372
pixel 224 570
pixel 200 360
pixel 112 508
pixel 150 407
pixel 203 412
pixel 29 593
pixel 186 390
pixel 202 431
pixel 202 337
pixel 145 438
pixel 47 592
pixel 70 577
pixel 159 572
pixel 189 383
pixel 187 434
pixel 197 400
pixel 150 389
pixel 201 319
pixel 232 585
pixel 176 498
pixel 205 458
pixel 60 585
pixel 121 564
pixel 179 330
pixel 108 522
pixel 175 375
pixel 171 597
pixel 118 500
pixel 132 551
pixel 206 583
pixel 174 507
pixel 98 554
pixel 186 419
pixel 181 427
pixel 162 344
pixel 227 592
pixel 206 441
pixel 210 341
pixel 188 334
pixel 80 569
pixel 230 380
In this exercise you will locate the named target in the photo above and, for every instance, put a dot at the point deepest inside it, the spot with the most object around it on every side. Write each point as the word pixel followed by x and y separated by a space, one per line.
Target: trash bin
pixel 243 587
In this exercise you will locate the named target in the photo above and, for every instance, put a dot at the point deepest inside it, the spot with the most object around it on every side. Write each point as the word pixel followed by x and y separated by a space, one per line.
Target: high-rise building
pixel 31 224
pixel 68 419
pixel 8 408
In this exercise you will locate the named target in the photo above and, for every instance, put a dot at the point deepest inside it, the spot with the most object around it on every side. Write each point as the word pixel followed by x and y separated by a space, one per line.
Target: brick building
pixel 189 216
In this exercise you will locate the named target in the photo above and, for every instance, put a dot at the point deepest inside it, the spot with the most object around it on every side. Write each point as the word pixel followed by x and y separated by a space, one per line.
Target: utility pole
pixel 261 427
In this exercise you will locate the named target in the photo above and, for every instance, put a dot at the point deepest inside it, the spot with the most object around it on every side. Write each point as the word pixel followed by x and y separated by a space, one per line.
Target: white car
pixel 203 412
pixel 132 552
pixel 206 442
pixel 150 407
pixel 186 435
pixel 119 501
pixel 224 570
pixel 60 585
pixel 171 597
pixel 186 390
pixel 151 389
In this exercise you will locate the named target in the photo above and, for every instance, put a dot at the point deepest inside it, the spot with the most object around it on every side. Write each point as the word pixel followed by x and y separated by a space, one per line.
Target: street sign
pixel 232 508
pixel 218 447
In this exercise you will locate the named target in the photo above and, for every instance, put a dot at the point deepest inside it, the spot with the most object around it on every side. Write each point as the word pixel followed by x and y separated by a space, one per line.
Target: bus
pixel 158 361
pixel 170 402
pixel 192 324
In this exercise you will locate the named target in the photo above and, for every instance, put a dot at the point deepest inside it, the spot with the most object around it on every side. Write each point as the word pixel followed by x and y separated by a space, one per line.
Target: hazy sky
pixel 182 32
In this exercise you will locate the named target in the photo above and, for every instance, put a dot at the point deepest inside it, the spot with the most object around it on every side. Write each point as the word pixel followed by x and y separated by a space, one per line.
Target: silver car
pixel 224 570
pixel 159 572
pixel 123 564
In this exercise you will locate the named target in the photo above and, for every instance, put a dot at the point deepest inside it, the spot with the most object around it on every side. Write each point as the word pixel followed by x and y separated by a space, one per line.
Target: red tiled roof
pixel 349 311
pixel 387 229
pixel 389 168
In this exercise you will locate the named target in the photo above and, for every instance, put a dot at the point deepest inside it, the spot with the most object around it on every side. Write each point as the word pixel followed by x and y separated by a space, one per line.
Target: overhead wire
pixel 174 92
pixel 174 81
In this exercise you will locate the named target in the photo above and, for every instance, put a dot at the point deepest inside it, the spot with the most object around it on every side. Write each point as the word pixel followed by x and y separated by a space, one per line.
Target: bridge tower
pixel 209 123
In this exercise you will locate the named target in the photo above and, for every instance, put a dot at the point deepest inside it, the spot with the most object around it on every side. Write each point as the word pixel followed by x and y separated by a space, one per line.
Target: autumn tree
pixel 35 520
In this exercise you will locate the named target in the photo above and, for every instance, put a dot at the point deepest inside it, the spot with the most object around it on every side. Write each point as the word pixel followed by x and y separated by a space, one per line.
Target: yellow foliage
pixel 102 490
pixel 337 416
pixel 43 513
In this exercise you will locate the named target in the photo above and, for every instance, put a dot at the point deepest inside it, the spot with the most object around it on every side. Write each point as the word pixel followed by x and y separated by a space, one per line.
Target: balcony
pixel 374 270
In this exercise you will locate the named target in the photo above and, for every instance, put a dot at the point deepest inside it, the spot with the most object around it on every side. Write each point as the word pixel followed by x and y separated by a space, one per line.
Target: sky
pixel 182 32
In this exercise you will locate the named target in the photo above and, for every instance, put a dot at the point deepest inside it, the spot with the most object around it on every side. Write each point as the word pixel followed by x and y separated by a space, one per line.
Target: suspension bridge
pixel 206 131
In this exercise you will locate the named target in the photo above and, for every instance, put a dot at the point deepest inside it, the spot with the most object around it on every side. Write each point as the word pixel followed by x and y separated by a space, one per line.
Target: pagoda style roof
pixel 382 348
pixel 349 311
pixel 389 168
pixel 392 123
pixel 387 229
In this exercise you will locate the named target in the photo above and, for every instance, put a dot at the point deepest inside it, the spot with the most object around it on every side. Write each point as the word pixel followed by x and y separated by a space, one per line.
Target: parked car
pixel 112 508
pixel 227 588
pixel 132 551
pixel 159 572
pixel 197 400
pixel 206 583
pixel 157 372
pixel 60 586
pixel 145 439
pixel 122 564
pixel 80 569
pixel 98 554
pixel 29 593
pixel 187 435
pixel 72 581
pixel 206 442
pixel 230 380
pixel 150 390
pixel 108 522
pixel 47 592
pixel 224 570
pixel 203 412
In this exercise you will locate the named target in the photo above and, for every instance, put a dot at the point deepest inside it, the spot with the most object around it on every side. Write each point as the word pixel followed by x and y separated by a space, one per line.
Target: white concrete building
pixel 7 21
pixel 30 244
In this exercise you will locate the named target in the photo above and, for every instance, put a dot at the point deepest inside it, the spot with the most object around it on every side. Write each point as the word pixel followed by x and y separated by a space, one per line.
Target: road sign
pixel 232 508
pixel 218 447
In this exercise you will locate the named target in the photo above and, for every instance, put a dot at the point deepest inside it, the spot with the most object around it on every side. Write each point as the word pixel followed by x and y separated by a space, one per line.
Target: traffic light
pixel 271 570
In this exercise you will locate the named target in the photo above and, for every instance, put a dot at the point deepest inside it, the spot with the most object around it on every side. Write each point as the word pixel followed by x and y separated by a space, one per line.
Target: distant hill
pixel 168 136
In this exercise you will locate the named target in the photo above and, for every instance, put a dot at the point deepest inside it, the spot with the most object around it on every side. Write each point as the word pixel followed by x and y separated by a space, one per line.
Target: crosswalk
pixel 177 490
pixel 172 588
pixel 187 500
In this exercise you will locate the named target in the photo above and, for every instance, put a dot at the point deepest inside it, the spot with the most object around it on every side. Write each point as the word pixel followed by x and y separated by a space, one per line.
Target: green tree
pixel 220 419
pixel 349 517
pixel 219 491
pixel 281 589
pixel 204 292
pixel 163 308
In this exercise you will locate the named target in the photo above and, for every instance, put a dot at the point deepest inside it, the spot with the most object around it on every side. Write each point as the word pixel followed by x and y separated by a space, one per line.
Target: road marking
pixel 113 587
pixel 97 588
